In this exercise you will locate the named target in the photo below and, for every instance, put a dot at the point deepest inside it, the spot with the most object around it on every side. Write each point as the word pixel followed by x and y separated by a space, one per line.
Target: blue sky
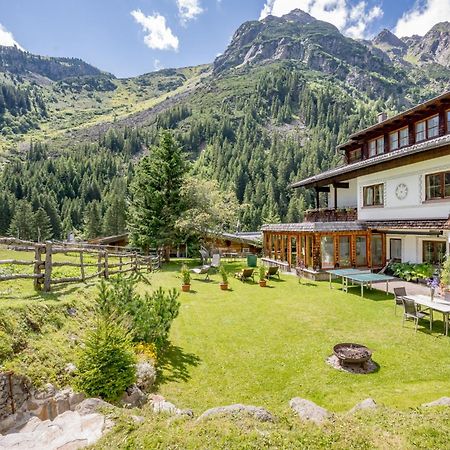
pixel 131 37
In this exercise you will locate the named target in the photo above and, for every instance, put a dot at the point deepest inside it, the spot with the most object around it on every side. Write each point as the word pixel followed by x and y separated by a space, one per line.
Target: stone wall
pixel 14 393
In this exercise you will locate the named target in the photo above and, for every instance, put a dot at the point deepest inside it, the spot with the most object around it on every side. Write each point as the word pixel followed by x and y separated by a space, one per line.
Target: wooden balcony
pixel 331 215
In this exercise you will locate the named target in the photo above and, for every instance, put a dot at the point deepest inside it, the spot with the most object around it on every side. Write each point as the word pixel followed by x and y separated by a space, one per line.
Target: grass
pixel 263 346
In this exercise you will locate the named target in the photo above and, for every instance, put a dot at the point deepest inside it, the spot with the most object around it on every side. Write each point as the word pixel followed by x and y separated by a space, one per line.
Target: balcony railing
pixel 331 215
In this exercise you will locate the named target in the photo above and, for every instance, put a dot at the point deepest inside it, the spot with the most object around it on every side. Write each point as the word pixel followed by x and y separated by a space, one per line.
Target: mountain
pixel 18 62
pixel 271 109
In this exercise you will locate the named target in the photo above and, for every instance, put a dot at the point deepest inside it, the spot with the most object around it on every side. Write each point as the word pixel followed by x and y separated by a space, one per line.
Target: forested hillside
pixel 278 101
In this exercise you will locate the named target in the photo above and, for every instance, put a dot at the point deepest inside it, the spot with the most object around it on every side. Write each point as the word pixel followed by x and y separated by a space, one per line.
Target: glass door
pixel 361 251
pixel 344 251
pixel 395 249
pixel 327 252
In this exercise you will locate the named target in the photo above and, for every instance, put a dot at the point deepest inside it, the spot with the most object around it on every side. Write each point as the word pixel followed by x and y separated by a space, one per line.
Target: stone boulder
pixel 145 375
pixel 256 412
pixel 309 411
pixel 443 401
pixel 69 430
pixel 91 405
pixel 161 406
pixel 368 403
pixel 133 397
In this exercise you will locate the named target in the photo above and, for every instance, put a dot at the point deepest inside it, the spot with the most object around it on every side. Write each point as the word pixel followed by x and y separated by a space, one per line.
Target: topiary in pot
pixel 186 277
pixel 262 276
pixel 223 273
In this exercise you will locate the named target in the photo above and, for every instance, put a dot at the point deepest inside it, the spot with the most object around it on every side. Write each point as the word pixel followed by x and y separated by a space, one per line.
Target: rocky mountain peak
pixel 299 16
pixel 387 38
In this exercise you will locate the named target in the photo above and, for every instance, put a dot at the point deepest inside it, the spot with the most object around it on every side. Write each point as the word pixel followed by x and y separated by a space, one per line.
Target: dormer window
pixel 354 155
pixel 399 139
pixel 376 146
pixel 427 129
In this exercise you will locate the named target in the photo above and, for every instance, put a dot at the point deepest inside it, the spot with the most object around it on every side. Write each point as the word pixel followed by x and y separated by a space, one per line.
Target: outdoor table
pixel 433 305
pixel 343 272
pixel 367 279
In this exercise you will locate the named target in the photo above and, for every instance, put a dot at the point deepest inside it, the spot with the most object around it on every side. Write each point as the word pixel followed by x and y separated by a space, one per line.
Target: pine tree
pixel 22 222
pixel 114 220
pixel 42 227
pixel 156 201
pixel 92 221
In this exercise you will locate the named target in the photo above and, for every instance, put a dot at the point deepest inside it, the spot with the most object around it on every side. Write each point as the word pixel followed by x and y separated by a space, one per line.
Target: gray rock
pixel 368 403
pixel 48 391
pixel 443 401
pixel 161 406
pixel 70 368
pixel 137 419
pixel 309 411
pixel 145 375
pixel 256 412
pixel 133 397
pixel 91 405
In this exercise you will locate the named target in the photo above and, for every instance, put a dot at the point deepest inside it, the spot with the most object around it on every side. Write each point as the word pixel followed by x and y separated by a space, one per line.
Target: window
pixel 427 129
pixel 344 251
pixel 437 185
pixel 376 146
pixel 420 131
pixel 361 251
pixel 398 139
pixel 377 250
pixel 327 250
pixel 354 155
pixel 448 121
pixel 433 252
pixel 373 195
pixel 395 247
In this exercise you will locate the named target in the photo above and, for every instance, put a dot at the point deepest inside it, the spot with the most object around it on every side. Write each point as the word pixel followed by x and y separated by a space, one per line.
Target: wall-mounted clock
pixel 401 191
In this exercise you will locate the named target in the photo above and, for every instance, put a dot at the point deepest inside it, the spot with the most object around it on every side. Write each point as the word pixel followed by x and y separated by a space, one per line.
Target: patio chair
pixel 215 261
pixel 399 293
pixel 273 270
pixel 202 271
pixel 245 274
pixel 411 312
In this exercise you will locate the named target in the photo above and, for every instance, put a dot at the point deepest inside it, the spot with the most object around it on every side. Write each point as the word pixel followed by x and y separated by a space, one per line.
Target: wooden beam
pixel 323 189
pixel 341 185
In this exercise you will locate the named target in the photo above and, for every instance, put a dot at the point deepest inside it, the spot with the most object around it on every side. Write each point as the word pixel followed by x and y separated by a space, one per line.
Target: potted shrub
pixel 262 276
pixel 186 277
pixel 224 275
pixel 445 279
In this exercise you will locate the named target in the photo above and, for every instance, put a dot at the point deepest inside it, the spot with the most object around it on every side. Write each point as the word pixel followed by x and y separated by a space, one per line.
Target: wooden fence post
pixel 120 263
pixel 37 266
pixel 135 256
pixel 48 267
pixel 106 270
pixel 82 272
pixel 99 264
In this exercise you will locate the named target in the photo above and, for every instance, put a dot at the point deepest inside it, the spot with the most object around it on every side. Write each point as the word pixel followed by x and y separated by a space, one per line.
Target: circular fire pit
pixel 348 353
pixel 352 358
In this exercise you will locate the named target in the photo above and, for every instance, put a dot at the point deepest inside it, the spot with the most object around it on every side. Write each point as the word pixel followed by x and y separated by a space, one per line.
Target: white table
pixel 435 305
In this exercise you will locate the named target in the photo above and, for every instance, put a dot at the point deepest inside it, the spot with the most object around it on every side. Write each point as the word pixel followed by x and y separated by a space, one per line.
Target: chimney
pixel 382 117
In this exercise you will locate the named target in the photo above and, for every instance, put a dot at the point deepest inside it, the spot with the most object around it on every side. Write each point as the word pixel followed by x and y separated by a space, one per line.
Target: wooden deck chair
pixel 245 274
pixel 215 261
pixel 202 271
pixel 273 270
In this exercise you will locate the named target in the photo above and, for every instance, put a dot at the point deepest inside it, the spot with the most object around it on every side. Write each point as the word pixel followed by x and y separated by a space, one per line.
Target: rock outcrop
pixel 443 401
pixel 256 412
pixel 309 411
pixel 368 403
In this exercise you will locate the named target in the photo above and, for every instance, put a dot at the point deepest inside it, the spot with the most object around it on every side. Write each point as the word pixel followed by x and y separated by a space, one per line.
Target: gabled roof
pixel 422 110
pixel 431 149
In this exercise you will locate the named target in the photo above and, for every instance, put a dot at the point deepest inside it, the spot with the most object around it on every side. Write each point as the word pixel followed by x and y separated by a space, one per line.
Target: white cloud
pixel 159 36
pixel 7 38
pixel 352 20
pixel 157 64
pixel 422 16
pixel 189 9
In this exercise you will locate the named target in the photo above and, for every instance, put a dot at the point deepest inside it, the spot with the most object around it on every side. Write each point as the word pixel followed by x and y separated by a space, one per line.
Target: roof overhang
pixel 423 151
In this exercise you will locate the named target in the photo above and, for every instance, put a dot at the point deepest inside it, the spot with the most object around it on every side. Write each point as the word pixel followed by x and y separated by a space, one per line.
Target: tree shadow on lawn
pixel 174 364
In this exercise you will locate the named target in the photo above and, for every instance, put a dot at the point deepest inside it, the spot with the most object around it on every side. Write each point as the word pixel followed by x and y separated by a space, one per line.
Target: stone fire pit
pixel 353 358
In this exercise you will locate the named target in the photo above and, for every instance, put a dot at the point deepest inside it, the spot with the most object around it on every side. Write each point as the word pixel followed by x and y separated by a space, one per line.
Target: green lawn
pixel 264 346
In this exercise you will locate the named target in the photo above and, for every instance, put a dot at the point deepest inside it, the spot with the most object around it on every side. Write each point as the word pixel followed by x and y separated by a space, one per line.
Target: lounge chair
pixel 202 271
pixel 273 270
pixel 399 293
pixel 245 274
pixel 411 312
pixel 215 261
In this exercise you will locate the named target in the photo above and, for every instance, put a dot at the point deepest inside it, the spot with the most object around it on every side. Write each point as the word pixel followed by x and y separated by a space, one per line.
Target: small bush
pixel 262 273
pixel 6 347
pixel 185 274
pixel 107 363
pixel 146 351
pixel 223 274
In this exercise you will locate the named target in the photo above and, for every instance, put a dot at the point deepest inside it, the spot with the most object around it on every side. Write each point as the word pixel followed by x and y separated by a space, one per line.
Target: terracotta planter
pixel 185 287
pixel 224 286
pixel 262 283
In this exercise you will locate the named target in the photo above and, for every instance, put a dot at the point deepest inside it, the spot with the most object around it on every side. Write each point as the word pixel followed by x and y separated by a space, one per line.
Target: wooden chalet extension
pixel 390 200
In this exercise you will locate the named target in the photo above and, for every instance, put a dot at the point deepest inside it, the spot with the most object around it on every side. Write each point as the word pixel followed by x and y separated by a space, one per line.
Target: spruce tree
pixel 114 221
pixel 92 221
pixel 41 226
pixel 156 200
pixel 22 222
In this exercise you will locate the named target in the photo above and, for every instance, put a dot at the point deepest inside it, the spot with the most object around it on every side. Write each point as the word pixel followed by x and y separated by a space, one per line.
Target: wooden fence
pixel 92 260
